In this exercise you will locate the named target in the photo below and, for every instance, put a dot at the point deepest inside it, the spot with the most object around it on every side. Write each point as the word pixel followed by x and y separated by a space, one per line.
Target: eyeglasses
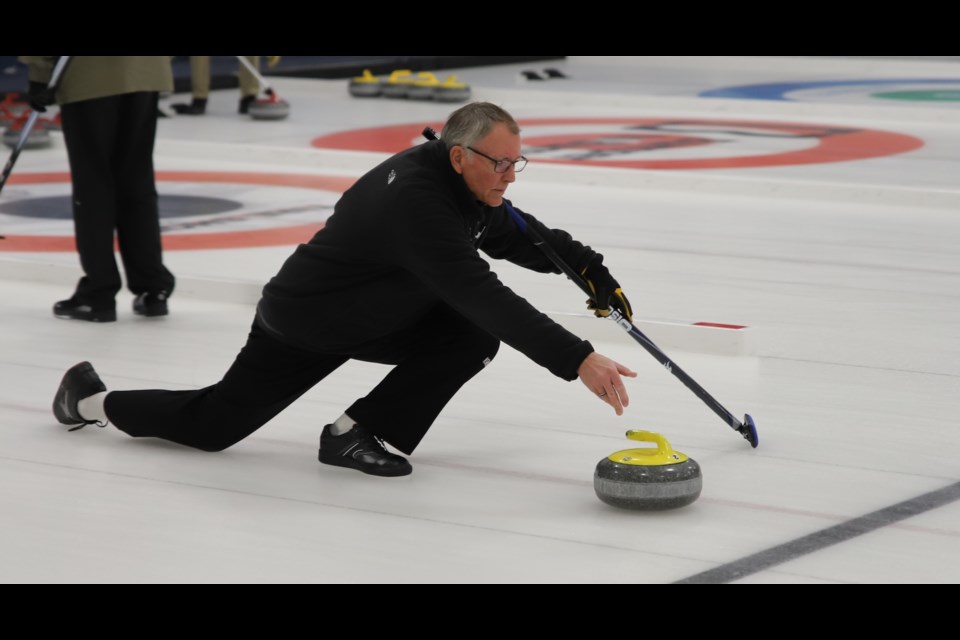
pixel 501 166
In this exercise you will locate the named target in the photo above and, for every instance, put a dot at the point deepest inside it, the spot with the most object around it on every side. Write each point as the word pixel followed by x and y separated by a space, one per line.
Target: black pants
pixel 433 360
pixel 110 147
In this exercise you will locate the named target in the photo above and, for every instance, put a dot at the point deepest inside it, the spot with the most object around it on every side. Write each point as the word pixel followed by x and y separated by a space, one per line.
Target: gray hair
pixel 472 122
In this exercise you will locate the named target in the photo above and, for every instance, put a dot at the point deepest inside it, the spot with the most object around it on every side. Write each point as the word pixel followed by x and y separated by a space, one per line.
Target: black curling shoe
pixel 361 450
pixel 79 382
pixel 151 304
pixel 245 102
pixel 74 309
pixel 197 107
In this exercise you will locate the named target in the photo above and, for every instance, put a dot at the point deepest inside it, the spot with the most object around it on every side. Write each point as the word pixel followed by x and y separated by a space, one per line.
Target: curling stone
pixel 398 83
pixel 451 90
pixel 648 479
pixel 13 107
pixel 365 86
pixel 270 107
pixel 422 86
pixel 39 135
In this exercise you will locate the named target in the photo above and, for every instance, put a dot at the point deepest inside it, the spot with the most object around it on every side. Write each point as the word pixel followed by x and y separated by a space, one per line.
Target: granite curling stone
pixel 39 135
pixel 422 86
pixel 270 107
pixel 648 479
pixel 398 84
pixel 365 86
pixel 451 90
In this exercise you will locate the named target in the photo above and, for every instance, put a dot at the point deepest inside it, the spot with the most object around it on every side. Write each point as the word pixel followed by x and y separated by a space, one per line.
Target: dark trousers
pixel 110 147
pixel 433 360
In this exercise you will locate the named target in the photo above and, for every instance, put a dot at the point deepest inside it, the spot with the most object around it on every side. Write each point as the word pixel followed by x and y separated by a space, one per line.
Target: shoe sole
pixel 60 400
pixel 347 464
pixel 99 317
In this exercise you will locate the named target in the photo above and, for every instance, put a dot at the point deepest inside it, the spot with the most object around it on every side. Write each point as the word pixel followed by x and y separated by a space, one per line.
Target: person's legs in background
pixel 138 214
pixel 199 87
pixel 90 135
pixel 249 85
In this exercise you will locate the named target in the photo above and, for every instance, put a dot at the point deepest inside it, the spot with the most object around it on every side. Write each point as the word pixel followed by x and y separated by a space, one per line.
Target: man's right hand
pixel 40 96
pixel 602 376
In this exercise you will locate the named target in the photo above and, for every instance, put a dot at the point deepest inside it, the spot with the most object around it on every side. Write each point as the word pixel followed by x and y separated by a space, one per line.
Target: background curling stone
pixel 270 107
pixel 397 84
pixel 39 135
pixel 11 108
pixel 365 86
pixel 648 479
pixel 422 86
pixel 451 90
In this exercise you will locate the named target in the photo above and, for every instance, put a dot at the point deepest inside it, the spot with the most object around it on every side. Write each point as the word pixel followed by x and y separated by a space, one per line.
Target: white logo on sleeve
pixel 392 176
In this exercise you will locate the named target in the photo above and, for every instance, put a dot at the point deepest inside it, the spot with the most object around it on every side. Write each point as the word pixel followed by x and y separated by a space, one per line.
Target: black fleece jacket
pixel 403 239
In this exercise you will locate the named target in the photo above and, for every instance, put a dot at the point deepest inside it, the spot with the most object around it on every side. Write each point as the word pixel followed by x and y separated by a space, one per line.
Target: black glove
pixel 40 97
pixel 606 291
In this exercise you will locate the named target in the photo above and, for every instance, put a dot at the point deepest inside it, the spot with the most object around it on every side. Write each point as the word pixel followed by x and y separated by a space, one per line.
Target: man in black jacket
pixel 407 235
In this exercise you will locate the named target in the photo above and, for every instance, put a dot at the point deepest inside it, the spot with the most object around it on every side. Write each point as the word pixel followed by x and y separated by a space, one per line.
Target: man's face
pixel 484 183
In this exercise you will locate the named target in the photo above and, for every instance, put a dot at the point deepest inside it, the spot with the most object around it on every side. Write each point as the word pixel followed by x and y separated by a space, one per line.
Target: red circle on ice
pixel 662 143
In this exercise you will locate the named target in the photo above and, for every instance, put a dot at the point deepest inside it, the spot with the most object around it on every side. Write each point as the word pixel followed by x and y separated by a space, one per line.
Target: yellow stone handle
pixel 401 75
pixel 663 447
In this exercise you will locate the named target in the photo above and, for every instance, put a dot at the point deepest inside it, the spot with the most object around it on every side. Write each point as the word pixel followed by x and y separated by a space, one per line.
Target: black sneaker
pixel 245 103
pixel 79 382
pixel 74 309
pixel 196 108
pixel 151 304
pixel 359 449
